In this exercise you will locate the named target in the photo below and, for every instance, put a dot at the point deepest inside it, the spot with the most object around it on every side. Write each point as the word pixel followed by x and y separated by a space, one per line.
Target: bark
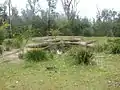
pixel 45 44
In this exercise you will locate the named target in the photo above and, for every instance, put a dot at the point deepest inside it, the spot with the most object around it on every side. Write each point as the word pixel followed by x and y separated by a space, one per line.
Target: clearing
pixel 34 76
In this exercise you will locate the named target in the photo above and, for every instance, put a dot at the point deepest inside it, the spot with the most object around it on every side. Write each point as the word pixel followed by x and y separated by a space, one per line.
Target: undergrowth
pixel 37 55
pixel 113 46
pixel 81 55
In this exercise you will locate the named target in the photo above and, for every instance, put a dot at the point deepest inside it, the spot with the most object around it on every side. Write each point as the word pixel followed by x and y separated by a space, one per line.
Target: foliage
pixel 4 26
pixel 36 55
pixel 106 24
pixel 12 43
pixel 8 44
pixel 114 46
pixel 1 37
pixel 111 46
pixel 17 42
pixel 2 32
pixel 3 14
pixel 100 47
pixel 45 22
pixel 21 39
pixel 82 55
pixel 1 49
pixel 54 32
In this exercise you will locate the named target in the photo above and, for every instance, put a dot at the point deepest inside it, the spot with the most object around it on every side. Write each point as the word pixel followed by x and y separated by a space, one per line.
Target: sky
pixel 86 7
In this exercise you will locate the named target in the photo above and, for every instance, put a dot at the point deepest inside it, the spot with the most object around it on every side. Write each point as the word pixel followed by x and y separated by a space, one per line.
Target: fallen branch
pixel 10 53
pixel 57 39
pixel 41 45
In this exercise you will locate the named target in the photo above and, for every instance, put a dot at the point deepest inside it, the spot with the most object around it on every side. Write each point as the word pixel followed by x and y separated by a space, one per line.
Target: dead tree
pixel 70 8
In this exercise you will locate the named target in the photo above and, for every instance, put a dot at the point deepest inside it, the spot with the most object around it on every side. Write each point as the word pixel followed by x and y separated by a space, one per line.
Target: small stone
pixel 16 81
pixel 76 84
pixel 41 80
pixel 109 81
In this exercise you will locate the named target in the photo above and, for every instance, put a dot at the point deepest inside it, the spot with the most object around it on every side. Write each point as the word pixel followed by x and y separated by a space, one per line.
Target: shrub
pixel 16 43
pixel 1 49
pixel 115 49
pixel 8 44
pixel 113 46
pixel 12 43
pixel 82 55
pixel 1 37
pixel 36 55
pixel 100 47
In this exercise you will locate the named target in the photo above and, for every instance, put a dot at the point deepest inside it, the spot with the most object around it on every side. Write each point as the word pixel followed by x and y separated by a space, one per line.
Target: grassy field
pixel 34 76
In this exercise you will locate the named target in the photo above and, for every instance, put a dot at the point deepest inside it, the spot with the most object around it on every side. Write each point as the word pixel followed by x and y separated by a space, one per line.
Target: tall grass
pixel 114 46
pixel 82 55
pixel 36 55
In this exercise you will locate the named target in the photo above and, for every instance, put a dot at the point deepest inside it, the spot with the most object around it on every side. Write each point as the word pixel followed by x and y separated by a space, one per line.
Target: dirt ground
pixel 10 56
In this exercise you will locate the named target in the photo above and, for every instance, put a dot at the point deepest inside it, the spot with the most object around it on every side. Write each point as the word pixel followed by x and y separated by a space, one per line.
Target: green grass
pixel 67 76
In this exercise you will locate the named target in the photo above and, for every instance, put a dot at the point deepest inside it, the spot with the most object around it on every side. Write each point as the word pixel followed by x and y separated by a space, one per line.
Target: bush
pixel 8 44
pixel 115 49
pixel 16 43
pixel 82 55
pixel 100 47
pixel 1 37
pixel 1 49
pixel 36 55
pixel 12 43
pixel 114 46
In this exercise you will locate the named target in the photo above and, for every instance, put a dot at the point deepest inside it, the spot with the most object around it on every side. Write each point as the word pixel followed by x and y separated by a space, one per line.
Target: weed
pixel 36 55
pixel 82 55
pixel 1 49
pixel 114 46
